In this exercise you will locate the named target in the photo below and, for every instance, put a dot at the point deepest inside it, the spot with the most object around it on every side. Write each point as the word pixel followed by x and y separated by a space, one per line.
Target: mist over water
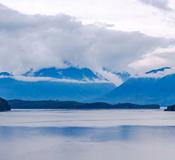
pixel 87 135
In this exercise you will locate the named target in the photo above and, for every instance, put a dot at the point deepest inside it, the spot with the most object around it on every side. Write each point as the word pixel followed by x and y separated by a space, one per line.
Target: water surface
pixel 87 135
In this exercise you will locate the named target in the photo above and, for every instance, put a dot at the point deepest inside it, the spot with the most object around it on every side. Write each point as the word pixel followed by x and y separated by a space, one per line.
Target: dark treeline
pixel 170 108
pixel 20 104
pixel 4 106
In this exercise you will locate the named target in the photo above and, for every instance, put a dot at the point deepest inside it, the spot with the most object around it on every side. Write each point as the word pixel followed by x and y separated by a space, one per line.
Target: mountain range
pixel 71 83
pixel 70 73
pixel 85 85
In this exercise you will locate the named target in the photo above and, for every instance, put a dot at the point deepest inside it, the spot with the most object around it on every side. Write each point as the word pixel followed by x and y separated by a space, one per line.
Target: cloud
pixel 37 41
pixel 43 79
pixel 156 59
pixel 160 4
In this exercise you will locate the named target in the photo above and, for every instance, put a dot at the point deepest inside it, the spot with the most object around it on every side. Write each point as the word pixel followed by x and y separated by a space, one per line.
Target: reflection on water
pixel 119 142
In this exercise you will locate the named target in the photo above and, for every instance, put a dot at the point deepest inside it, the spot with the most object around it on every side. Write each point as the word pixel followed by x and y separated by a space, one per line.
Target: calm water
pixel 87 135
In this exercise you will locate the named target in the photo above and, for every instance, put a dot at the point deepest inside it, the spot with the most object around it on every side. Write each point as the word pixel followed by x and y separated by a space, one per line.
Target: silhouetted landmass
pixel 4 106
pixel 170 108
pixel 20 104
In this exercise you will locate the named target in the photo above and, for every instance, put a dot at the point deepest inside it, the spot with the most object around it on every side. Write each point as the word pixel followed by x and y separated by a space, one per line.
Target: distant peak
pixel 5 74
pixel 122 75
pixel 67 63
pixel 70 72
pixel 154 71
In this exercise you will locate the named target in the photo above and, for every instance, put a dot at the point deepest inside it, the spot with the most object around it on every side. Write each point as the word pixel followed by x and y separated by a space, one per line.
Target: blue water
pixel 87 135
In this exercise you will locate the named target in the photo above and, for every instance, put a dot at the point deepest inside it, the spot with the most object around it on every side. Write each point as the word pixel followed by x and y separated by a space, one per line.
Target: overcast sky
pixel 121 35
pixel 155 17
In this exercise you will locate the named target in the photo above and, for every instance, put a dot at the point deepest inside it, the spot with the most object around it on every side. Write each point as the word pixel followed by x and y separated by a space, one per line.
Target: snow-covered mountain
pixel 68 73
pixel 71 83
pixel 115 77
pixel 83 84
pixel 5 74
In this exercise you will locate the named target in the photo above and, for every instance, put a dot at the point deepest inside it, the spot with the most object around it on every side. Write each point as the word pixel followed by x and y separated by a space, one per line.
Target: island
pixel 170 108
pixel 4 106
pixel 54 104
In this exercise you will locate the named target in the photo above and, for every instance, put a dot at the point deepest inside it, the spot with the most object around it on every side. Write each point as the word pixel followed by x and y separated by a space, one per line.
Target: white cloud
pixel 156 59
pixel 160 4
pixel 36 41
pixel 124 15
pixel 43 79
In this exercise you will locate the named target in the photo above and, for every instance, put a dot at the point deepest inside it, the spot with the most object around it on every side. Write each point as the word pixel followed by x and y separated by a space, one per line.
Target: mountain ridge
pixel 11 88
pixel 21 104
pixel 144 91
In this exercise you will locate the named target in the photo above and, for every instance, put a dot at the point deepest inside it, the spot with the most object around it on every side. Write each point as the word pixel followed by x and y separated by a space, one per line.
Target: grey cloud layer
pixel 161 4
pixel 41 41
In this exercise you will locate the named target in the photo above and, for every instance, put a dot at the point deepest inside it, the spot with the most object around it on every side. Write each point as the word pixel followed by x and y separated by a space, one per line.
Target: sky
pixel 130 35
